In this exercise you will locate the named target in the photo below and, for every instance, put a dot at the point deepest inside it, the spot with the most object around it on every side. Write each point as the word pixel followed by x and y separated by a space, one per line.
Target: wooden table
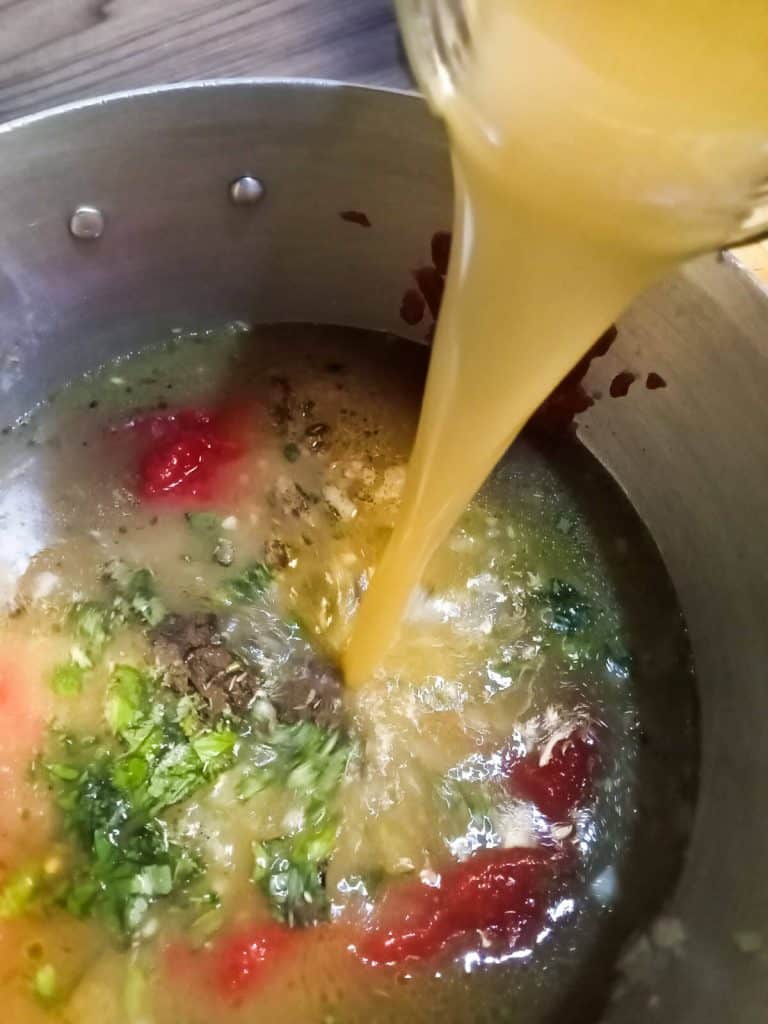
pixel 54 51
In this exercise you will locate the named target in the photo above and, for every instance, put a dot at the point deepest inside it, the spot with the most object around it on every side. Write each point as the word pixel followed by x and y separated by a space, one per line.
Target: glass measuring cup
pixel 444 40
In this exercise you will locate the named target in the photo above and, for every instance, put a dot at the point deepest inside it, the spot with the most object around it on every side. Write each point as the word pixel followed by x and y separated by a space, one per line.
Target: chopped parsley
pixel 290 870
pixel 137 598
pixel 205 524
pixel 566 610
pixel 248 586
pixel 92 623
pixel 302 756
pixel 291 873
pixel 67 679
pixel 112 795
pixel 577 628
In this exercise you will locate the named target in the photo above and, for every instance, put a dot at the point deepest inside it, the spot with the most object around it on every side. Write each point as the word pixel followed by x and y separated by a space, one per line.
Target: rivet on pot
pixel 87 222
pixel 246 191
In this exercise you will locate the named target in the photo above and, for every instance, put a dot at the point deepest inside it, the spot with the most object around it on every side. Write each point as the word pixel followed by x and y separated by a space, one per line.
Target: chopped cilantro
pixel 91 625
pixel 67 679
pixel 188 715
pixel 136 594
pixel 129 858
pixel 206 524
pixel 205 926
pixel 291 873
pixel 290 870
pixel 126 699
pixel 214 748
pixel 112 796
pixel 567 610
pixel 246 587
pixel 301 756
pixel 579 629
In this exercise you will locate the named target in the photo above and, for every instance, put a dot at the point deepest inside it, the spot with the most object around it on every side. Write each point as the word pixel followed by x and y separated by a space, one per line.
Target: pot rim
pixel 201 83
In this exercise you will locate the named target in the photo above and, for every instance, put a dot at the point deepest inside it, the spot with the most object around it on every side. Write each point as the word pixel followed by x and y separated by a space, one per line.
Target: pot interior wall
pixel 176 252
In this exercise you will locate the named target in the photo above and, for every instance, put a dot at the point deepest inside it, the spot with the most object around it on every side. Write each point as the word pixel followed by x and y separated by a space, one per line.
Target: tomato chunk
pixel 499 892
pixel 21 721
pixel 563 782
pixel 238 963
pixel 185 454
pixel 23 711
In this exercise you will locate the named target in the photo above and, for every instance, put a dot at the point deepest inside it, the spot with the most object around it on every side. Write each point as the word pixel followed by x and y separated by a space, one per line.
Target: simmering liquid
pixel 198 823
pixel 595 146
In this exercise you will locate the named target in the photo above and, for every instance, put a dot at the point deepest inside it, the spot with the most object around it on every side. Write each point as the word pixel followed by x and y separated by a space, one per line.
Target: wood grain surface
pixel 53 51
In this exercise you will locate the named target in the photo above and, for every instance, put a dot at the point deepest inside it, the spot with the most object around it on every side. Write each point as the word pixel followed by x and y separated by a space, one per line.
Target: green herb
pixel 291 452
pixel 302 756
pixel 567 610
pixel 292 879
pixel 136 594
pixel 18 892
pixel 578 629
pixel 112 796
pixel 290 870
pixel 188 715
pixel 215 748
pixel 130 859
pixel 205 524
pixel 67 679
pixel 248 586
pixel 126 699
pixel 45 984
pixel 205 927
pixel 92 625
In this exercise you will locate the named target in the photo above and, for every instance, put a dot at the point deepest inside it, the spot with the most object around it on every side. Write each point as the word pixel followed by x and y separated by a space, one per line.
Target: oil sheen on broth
pixel 596 145
pixel 197 823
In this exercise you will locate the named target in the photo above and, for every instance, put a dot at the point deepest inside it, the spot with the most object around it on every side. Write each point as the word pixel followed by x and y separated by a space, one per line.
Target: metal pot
pixel 120 219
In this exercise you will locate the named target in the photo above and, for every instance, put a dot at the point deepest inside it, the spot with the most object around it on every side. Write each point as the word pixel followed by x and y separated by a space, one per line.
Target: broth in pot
pixel 198 820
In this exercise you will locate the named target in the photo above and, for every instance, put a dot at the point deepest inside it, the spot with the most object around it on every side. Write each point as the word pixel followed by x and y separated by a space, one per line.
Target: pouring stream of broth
pixel 595 146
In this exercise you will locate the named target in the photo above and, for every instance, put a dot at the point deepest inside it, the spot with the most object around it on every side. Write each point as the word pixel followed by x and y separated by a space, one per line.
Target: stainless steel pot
pixel 165 241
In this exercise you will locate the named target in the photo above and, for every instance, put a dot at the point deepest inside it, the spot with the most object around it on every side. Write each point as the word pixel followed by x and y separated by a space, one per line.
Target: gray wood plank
pixel 55 51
